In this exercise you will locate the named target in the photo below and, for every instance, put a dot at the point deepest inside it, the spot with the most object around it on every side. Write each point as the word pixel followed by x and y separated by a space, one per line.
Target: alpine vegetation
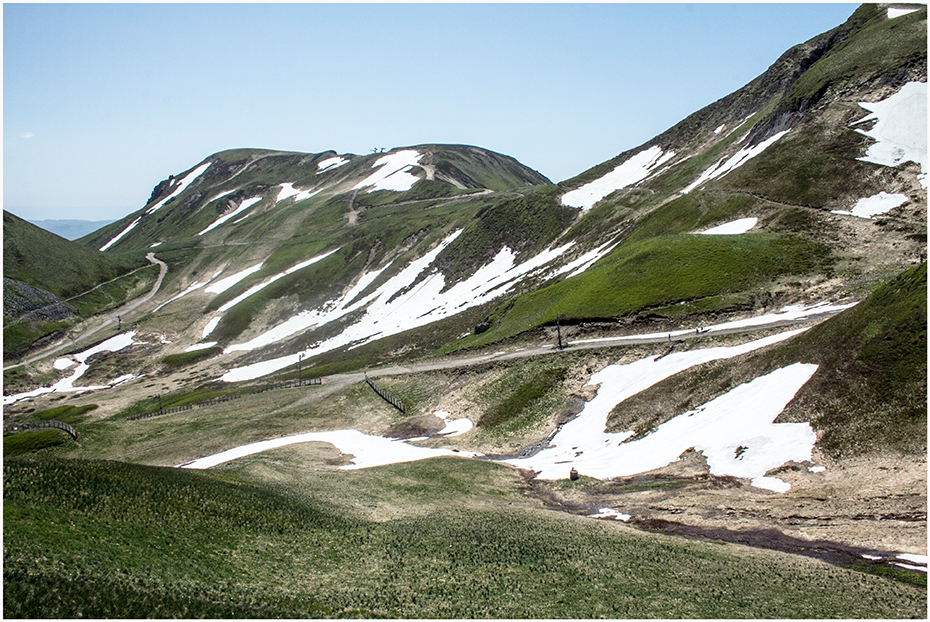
pixel 402 384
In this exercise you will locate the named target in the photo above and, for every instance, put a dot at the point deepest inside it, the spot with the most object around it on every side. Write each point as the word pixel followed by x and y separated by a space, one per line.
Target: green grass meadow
pixel 81 539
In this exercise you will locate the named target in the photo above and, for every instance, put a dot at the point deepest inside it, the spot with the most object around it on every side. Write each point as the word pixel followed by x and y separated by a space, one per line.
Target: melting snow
pixel 893 13
pixel 718 130
pixel 252 290
pixel 454 427
pixel 369 451
pixel 633 171
pixel 735 161
pixel 121 234
pixel 220 195
pixel 242 207
pixel 874 205
pixel 200 346
pixel 733 228
pixel 210 326
pixel 392 172
pixel 113 344
pixel 188 179
pixel 386 314
pixel 223 284
pixel 610 513
pixel 585 261
pixel 288 190
pixel 331 163
pixel 900 129
pixel 739 419
pixel 155 244
pixel 785 314
pixel 192 287
pixel 63 363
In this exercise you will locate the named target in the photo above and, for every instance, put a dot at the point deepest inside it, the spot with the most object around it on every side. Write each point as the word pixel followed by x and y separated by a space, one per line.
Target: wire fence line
pixel 37 425
pixel 387 397
pixel 286 384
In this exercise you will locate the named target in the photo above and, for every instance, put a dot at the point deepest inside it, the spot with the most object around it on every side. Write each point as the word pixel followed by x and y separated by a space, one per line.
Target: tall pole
pixel 558 328
pixel 299 358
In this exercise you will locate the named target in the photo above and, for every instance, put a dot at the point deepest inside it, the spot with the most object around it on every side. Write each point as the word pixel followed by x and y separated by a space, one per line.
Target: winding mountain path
pixel 111 317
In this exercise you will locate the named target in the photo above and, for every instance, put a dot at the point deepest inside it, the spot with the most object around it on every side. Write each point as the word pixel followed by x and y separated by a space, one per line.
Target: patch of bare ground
pixel 873 505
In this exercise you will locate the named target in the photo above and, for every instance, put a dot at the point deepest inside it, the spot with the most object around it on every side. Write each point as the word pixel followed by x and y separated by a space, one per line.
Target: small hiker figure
pixel 573 474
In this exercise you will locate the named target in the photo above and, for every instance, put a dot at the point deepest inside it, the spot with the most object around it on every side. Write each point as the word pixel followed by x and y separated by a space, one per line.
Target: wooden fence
pixel 387 397
pixel 286 384
pixel 37 425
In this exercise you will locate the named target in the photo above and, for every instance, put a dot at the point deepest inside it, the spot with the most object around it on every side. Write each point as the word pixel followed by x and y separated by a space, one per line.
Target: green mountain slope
pixel 87 281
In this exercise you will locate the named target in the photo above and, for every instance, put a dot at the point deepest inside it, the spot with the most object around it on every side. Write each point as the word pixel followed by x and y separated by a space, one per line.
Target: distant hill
pixel 71 229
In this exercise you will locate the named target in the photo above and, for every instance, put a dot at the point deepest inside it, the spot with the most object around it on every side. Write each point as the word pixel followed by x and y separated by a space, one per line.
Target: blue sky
pixel 103 101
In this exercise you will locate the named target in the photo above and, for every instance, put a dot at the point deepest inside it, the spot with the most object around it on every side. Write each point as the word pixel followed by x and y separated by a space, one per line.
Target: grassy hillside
pixel 64 268
pixel 868 397
pixel 87 281
pixel 708 273
pixel 79 542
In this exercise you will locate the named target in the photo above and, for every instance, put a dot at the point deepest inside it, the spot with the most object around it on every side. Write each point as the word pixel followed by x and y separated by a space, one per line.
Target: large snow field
pixel 735 227
pixel 735 432
pixel 742 417
pixel 900 129
pixel 633 171
pixel 725 165
pixel 246 204
pixel 874 205
pixel 121 234
pixel 392 172
pixel 369 451
pixel 66 385
pixel 188 179
pixel 387 313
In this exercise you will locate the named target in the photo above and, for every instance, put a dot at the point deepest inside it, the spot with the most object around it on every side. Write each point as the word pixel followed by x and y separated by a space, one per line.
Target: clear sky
pixel 103 101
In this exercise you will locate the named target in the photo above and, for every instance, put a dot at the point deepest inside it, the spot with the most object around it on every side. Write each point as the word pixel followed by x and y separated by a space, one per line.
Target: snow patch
pixel 722 167
pixel 200 346
pixel 288 190
pixel 733 228
pixel 633 171
pixel 386 313
pixel 257 288
pixel 223 284
pixel 817 469
pixel 242 207
pixel 718 130
pixel 331 163
pixel 155 244
pixel 210 326
pixel 121 234
pixel 893 12
pixel 392 172
pixel 611 514
pixel 874 205
pixel 63 363
pixel 65 385
pixel 454 427
pixel 900 129
pixel 735 431
pixel 368 451
pixel 188 179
